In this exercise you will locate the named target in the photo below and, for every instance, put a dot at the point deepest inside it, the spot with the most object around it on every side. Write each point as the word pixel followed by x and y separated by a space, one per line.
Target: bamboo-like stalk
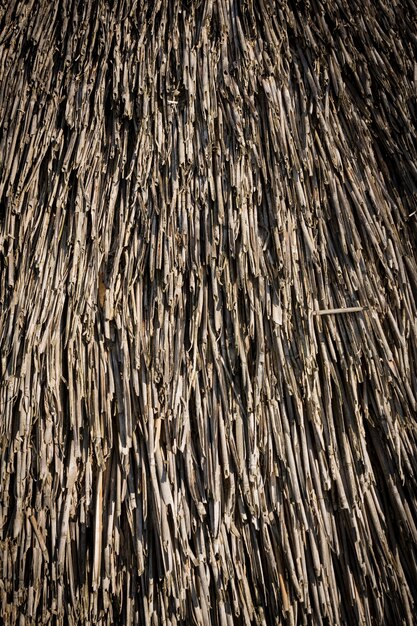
pixel 351 309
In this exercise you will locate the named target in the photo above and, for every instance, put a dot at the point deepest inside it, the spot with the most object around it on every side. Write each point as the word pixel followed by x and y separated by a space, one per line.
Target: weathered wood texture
pixel 208 312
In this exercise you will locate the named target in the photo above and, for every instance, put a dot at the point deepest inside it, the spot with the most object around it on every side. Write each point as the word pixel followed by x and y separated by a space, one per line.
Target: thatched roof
pixel 208 296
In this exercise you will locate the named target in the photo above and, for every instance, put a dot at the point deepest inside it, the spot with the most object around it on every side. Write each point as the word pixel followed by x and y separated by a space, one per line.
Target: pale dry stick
pixel 352 309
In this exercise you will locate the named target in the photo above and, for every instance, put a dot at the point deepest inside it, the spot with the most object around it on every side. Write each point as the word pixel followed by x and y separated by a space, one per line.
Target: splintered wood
pixel 208 327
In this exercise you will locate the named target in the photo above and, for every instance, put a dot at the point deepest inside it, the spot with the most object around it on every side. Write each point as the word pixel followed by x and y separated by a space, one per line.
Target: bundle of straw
pixel 208 294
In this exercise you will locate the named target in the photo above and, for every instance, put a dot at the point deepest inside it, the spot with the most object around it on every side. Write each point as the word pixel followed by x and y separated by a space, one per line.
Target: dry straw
pixel 208 312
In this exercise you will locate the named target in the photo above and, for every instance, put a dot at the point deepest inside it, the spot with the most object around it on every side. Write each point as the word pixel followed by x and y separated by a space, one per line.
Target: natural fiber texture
pixel 208 300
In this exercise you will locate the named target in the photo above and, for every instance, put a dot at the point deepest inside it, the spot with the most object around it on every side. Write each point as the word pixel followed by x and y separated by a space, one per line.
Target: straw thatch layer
pixel 208 326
